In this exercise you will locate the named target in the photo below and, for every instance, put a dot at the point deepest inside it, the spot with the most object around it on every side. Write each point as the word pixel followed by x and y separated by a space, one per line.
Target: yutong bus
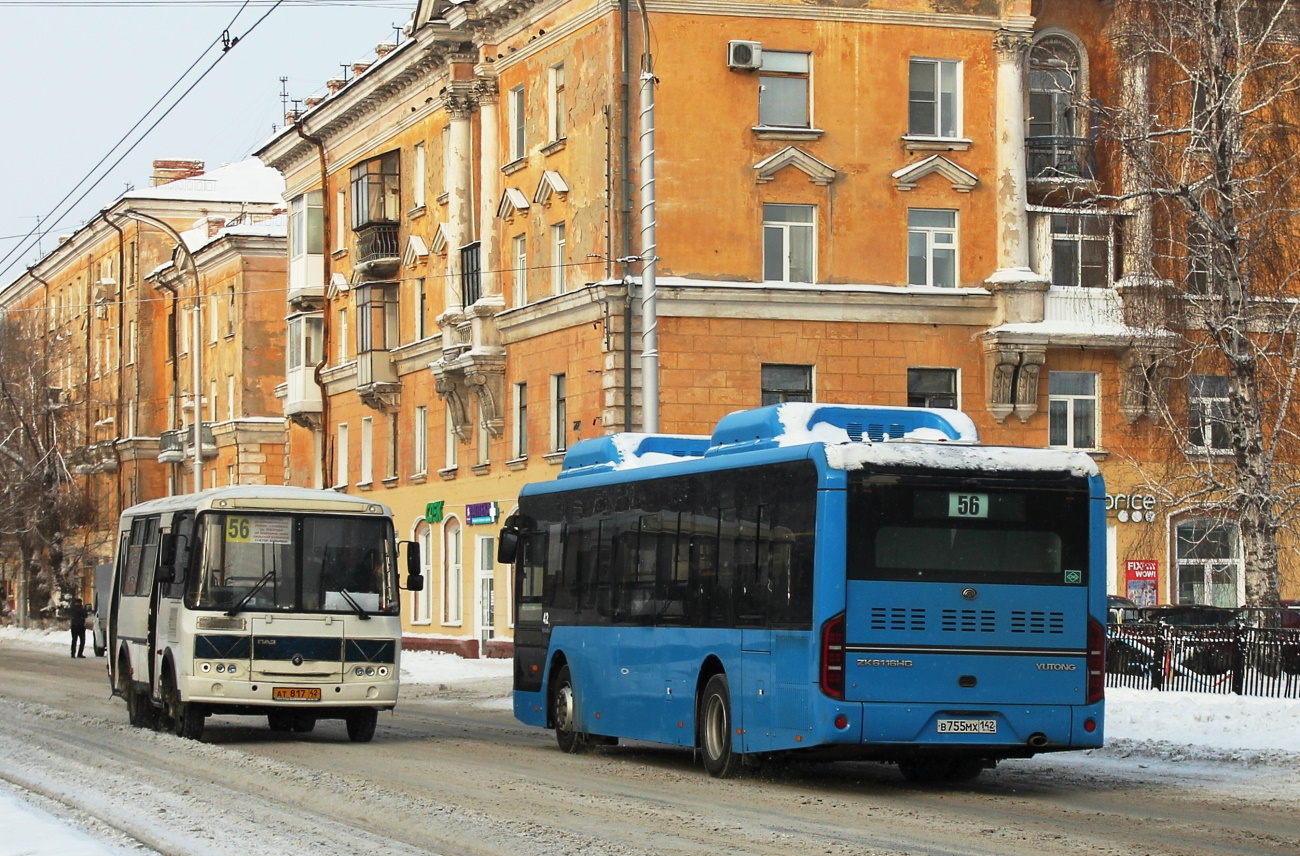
pixel 271 601
pixel 838 581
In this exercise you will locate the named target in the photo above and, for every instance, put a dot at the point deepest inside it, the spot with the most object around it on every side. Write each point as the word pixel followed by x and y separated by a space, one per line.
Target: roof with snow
pixel 246 181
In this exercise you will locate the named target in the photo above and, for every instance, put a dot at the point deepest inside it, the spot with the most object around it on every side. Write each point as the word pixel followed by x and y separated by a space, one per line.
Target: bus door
pixel 536 552
pixel 169 586
pixel 751 696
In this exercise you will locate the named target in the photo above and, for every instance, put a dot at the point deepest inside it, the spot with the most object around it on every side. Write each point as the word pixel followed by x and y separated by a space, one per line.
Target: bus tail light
pixel 832 671
pixel 1096 661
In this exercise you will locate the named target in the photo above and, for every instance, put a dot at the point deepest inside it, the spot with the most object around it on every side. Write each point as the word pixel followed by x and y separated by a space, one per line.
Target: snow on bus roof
pixel 800 424
pixel 855 456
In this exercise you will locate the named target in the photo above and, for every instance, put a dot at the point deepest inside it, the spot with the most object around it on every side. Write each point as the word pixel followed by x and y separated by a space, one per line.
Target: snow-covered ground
pixel 1166 727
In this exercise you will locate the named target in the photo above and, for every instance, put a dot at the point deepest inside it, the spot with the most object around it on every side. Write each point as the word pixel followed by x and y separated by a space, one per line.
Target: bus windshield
pixel 963 533
pixel 293 563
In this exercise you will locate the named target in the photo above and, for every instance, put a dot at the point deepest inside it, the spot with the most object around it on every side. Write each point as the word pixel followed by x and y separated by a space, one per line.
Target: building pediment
pixel 416 251
pixel 818 172
pixel 440 239
pixel 513 202
pixel 962 179
pixel 551 184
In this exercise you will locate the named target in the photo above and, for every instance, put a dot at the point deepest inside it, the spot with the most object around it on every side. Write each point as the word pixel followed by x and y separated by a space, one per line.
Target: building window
pixel 559 413
pixel 340 220
pixel 305 337
pixel 782 383
pixel 559 268
pixel 783 90
pixel 377 317
pixel 1200 260
pixel 789 242
pixel 452 447
pixel 341 455
pixel 420 441
pixel 515 106
pixel 933 98
pixel 132 343
pixel 931 247
pixel 558 131
pixel 1054 150
pixel 420 177
pixel 471 281
pixel 420 612
pixel 1081 250
pixel 519 263
pixel 377 191
pixel 367 450
pixel 932 388
pixel 394 451
pixel 1072 410
pixel 306 221
pixel 521 420
pixel 451 572
pixel 1209 563
pixel 230 397
pixel 343 334
pixel 484 437
pixel 421 310
pixel 1207 413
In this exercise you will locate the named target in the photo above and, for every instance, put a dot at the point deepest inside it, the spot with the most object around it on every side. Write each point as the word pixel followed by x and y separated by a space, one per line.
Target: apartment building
pixel 891 204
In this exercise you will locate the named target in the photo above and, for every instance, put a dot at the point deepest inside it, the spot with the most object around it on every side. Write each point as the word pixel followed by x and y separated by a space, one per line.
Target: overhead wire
pixel 9 260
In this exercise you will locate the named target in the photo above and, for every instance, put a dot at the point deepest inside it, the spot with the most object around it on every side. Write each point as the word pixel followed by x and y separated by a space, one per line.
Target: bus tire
pixel 303 724
pixel 720 760
pixel 185 719
pixel 361 725
pixel 139 712
pixel 279 720
pixel 564 710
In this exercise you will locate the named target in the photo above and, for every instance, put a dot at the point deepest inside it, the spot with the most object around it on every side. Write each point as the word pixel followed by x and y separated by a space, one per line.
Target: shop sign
pixel 433 512
pixel 479 513
pixel 1132 507
pixel 1142 575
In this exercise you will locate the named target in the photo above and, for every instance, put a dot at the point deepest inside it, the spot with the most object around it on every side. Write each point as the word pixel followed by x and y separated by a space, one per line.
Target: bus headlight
pixel 231 669
pixel 205 667
pixel 360 672
pixel 220 668
pixel 383 671
pixel 370 671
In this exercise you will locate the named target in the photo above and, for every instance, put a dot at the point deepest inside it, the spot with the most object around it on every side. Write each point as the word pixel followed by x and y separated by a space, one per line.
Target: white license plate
pixel 968 726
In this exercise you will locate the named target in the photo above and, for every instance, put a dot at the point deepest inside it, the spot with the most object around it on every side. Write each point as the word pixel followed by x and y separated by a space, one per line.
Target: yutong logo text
pixel 1056 667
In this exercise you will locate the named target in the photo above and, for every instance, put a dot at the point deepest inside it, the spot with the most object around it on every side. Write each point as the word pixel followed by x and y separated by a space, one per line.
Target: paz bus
pixel 264 601
pixel 832 581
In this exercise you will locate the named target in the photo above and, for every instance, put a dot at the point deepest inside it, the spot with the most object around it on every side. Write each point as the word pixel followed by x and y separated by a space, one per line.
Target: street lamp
pixel 196 357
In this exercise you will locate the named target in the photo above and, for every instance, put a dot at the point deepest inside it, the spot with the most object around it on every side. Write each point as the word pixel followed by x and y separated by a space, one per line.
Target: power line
pixel 228 44
pixel 191 4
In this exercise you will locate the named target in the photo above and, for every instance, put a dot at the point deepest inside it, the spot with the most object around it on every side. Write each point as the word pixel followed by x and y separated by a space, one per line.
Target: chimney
pixel 335 84
pixel 212 224
pixel 359 67
pixel 167 171
pixel 292 116
pixel 312 100
pixel 383 49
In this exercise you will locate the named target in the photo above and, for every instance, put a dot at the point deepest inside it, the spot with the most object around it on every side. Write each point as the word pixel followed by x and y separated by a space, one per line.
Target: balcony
pixel 378 250
pixel 302 399
pixel 307 282
pixel 207 441
pixel 171 447
pixel 1058 160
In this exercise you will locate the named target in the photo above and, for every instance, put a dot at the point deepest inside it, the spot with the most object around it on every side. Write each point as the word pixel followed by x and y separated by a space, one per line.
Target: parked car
pixel 1120 609
pixel 1189 615
pixel 99 609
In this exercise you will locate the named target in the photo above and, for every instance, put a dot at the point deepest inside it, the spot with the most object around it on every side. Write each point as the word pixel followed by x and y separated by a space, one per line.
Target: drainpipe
pixel 121 338
pixel 327 230
pixel 625 194
pixel 649 248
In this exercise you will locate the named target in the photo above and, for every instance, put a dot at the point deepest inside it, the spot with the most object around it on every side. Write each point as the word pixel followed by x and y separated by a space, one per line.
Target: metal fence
pixel 1256 661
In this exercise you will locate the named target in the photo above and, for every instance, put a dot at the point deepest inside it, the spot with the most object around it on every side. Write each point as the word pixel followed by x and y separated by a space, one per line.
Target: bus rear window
pixel 967 534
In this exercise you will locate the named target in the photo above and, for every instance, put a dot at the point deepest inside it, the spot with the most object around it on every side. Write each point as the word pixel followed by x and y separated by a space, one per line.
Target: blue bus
pixel 835 581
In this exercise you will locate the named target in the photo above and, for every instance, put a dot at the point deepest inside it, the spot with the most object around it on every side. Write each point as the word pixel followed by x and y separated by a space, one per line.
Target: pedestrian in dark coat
pixel 77 623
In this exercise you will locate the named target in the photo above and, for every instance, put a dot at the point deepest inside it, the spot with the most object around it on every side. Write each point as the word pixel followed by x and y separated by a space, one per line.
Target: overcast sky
pixel 83 72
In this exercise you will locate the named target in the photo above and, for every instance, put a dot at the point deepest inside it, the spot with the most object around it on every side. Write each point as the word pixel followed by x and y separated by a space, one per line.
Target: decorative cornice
pixel 818 172
pixel 962 179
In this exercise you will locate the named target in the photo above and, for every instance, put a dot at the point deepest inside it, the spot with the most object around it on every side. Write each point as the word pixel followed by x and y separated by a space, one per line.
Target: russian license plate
pixel 968 726
pixel 295 693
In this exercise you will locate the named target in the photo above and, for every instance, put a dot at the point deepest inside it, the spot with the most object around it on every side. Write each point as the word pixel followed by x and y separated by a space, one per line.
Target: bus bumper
pixel 361 693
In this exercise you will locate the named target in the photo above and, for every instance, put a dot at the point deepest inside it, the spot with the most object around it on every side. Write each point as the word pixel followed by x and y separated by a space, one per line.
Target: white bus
pixel 267 601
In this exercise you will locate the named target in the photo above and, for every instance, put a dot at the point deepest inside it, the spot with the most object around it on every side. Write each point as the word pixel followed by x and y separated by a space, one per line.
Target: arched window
pixel 421 610
pixel 1056 88
pixel 1209 563
pixel 451 572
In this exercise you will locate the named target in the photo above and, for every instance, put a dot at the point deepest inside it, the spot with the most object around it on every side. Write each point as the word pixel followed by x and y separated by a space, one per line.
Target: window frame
pixel 1183 563
pixel 1079 238
pixel 518 139
pixel 1068 412
pixel 559 412
pixel 520 439
pixel 376 186
pixel 914 391
pixel 937 110
pixel 773 391
pixel 1207 415
pixel 772 76
pixel 786 231
pixel 933 246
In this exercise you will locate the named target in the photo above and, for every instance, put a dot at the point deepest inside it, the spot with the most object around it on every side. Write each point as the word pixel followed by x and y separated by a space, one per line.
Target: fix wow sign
pixel 1142 575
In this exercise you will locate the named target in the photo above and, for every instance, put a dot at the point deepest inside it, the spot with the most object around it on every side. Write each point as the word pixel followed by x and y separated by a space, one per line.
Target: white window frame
pixel 559 412
pixel 556 107
pixel 341 455
pixel 777 69
pixel 367 450
pixel 934 371
pixel 344 341
pixel 1063 412
pixel 519 263
pixel 559 268
pixel 484 437
pixel 1078 237
pixel 1232 592
pixel 420 177
pixel 340 220
pixel 420 441
pixel 516 115
pixel 519 442
pixel 1207 411
pixel 230 397
pixel 391 469
pixel 422 599
pixel 452 450
pixel 781 234
pixel 938 112
pixel 452 572
pixel 937 239
pixel 485 571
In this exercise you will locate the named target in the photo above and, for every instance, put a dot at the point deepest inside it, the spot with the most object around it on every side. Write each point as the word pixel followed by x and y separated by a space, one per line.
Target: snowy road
pixel 452 773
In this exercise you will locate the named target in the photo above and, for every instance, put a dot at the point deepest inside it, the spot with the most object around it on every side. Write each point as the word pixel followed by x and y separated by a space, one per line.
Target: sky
pixel 84 72
pixel 1165 728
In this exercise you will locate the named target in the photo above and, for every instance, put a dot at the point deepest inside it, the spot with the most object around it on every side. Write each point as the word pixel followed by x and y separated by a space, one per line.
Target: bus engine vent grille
pixel 876 432
pixel 897 618
pixel 969 620
pixel 1024 621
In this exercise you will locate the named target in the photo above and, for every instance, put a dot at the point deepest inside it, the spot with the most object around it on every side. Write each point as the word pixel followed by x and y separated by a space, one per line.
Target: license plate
pixel 968 726
pixel 295 693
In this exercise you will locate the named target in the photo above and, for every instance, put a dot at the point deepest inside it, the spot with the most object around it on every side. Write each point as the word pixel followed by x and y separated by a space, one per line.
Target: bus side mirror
pixel 414 579
pixel 166 570
pixel 508 542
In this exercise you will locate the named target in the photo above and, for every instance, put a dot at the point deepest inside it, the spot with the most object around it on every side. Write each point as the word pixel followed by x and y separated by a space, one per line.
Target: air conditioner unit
pixel 745 56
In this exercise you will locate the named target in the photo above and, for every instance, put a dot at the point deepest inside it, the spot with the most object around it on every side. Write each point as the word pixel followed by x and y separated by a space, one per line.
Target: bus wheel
pixel 361 725
pixel 303 724
pixel 715 729
pixel 186 719
pixel 139 712
pixel 279 720
pixel 564 709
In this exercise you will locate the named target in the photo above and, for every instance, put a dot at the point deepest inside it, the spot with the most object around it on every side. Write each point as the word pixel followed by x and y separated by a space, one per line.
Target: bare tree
pixel 46 513
pixel 1208 136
